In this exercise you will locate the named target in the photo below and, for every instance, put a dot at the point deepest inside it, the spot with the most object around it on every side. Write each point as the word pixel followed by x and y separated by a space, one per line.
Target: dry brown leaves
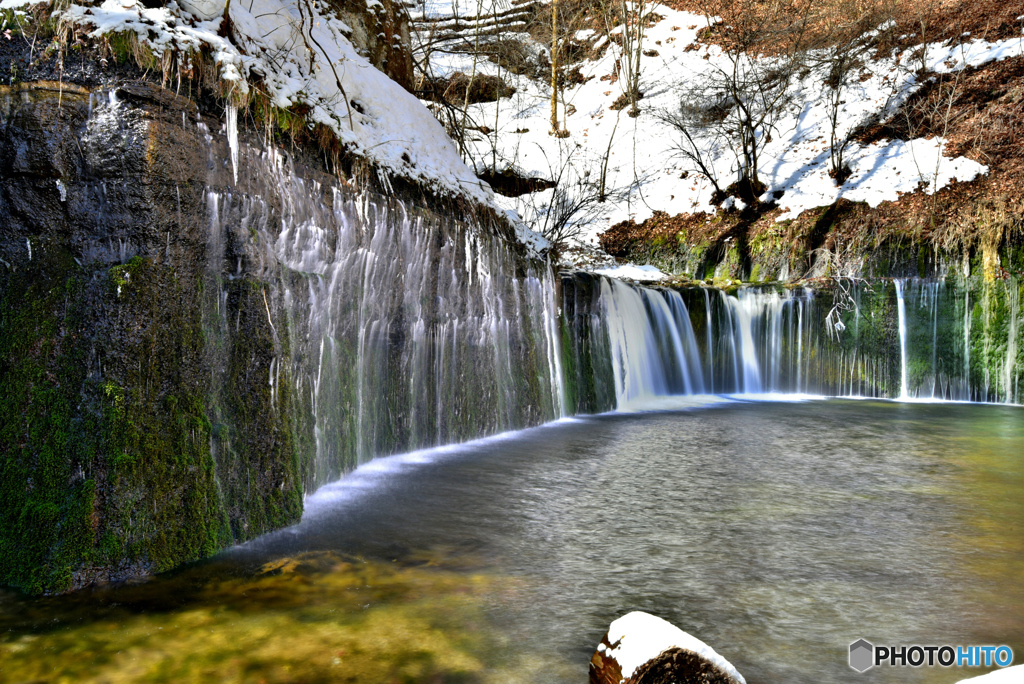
pixel 985 123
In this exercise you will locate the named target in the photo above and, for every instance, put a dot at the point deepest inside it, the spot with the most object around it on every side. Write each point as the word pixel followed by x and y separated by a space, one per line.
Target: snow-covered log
pixel 641 648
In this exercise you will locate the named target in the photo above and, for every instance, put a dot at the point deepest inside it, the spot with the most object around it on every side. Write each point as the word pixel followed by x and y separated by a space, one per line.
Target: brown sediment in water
pixel 308 618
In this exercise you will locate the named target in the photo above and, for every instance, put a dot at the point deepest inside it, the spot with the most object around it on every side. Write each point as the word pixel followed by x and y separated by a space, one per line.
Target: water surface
pixel 776 532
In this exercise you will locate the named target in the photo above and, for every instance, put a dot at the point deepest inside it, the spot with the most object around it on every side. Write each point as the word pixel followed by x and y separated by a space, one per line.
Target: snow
pixel 646 174
pixel 1008 675
pixel 944 59
pixel 637 637
pixel 633 272
pixel 298 52
pixel 462 8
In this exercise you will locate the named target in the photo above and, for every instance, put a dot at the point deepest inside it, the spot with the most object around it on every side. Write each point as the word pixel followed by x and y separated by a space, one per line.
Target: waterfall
pixel 911 339
pixel 391 329
pixel 1010 372
pixel 750 343
pixel 903 338
pixel 744 311
pixel 396 329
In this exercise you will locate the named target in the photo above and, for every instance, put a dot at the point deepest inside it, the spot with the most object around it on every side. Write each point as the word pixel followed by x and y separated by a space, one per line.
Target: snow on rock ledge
pixel 641 648
pixel 299 52
pixel 641 274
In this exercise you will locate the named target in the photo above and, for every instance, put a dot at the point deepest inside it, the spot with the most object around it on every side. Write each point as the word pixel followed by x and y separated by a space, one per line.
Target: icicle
pixel 233 139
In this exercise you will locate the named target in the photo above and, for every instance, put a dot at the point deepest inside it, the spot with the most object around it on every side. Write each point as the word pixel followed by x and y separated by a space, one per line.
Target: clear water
pixel 776 532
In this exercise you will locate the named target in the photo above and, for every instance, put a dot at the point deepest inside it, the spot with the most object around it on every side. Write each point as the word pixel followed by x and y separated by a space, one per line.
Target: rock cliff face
pixel 184 354
pixel 118 390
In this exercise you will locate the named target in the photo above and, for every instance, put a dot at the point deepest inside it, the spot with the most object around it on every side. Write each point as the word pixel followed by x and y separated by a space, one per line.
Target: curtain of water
pixel 398 330
pixel 958 343
pixel 896 339
pixel 395 330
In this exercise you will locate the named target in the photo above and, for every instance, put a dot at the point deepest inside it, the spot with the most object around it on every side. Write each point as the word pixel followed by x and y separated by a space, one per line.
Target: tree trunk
pixel 554 66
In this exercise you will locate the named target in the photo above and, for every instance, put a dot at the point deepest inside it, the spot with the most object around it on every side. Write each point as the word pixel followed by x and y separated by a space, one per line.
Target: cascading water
pixel 653 347
pixel 717 344
pixel 958 339
pixel 909 339
pixel 397 330
pixel 903 337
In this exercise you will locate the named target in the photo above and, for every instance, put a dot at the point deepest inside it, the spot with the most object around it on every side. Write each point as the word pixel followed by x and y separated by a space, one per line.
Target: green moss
pixel 317 617
pixel 47 486
pixel 259 460
pixel 103 471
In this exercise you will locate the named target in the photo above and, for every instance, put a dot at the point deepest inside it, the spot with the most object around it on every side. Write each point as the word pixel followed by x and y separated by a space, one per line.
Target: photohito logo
pixel 865 655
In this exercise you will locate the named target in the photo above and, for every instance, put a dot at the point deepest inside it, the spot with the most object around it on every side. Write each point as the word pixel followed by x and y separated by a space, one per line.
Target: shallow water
pixel 776 532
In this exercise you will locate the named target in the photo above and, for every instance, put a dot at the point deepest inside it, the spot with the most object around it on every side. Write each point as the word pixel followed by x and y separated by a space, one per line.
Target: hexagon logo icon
pixel 862 655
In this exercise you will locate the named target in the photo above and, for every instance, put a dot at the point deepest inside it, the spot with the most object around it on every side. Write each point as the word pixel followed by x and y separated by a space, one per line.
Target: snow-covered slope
pixel 643 162
pixel 298 51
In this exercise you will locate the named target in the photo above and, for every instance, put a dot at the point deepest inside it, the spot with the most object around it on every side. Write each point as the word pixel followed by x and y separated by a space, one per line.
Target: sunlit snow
pixel 643 163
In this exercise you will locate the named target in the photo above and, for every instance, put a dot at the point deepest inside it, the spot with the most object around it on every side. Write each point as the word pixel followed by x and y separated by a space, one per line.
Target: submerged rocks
pixel 640 648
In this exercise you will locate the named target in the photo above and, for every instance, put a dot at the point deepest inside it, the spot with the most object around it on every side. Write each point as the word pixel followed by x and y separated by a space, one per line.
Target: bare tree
pixel 848 39
pixel 574 201
pixel 624 23
pixel 934 114
pixel 748 88
pixel 455 34
pixel 602 185
pixel 935 110
pixel 554 67
pixel 634 16
pixel 700 112
pixel 476 54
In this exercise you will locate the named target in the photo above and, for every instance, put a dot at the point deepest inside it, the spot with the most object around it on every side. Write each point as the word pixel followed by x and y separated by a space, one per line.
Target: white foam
pixel 680 402
pixel 782 397
pixel 373 473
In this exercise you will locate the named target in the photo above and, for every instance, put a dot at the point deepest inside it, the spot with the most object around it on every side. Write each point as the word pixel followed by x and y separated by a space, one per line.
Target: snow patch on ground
pixel 645 173
pixel 641 636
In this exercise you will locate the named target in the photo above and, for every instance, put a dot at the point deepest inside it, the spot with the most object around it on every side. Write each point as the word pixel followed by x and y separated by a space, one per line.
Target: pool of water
pixel 777 532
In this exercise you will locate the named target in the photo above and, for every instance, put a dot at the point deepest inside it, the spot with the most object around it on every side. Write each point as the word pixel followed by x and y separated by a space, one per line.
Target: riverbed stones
pixel 640 648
